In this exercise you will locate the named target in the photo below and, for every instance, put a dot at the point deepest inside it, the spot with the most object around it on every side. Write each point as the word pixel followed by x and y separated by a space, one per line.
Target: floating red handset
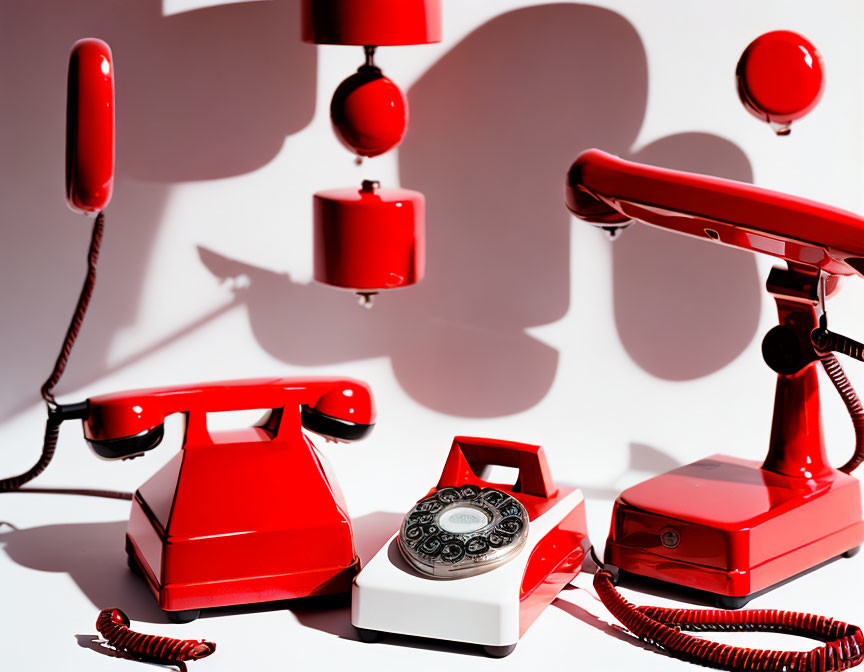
pixel 90 126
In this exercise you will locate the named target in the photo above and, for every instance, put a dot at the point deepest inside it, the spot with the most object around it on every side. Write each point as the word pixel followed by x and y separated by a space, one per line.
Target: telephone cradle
pixel 242 516
pixel 475 561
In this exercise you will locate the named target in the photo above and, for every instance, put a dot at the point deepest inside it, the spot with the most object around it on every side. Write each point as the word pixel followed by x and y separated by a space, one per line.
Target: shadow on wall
pixel 201 95
pixel 683 308
pixel 494 125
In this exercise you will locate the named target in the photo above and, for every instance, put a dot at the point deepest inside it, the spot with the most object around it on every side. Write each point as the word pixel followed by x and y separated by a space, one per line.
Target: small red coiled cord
pixel 113 625
pixel 844 644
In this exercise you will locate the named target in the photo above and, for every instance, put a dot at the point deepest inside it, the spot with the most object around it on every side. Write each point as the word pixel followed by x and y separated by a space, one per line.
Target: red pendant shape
pixel 780 78
pixel 369 112
pixel 369 239
pixel 90 126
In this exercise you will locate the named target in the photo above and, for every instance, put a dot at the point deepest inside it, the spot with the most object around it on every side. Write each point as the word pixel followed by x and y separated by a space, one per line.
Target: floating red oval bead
pixel 780 78
pixel 90 126
pixel 369 112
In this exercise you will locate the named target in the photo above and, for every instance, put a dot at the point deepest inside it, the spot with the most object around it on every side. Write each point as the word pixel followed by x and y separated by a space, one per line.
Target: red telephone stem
pixel 844 644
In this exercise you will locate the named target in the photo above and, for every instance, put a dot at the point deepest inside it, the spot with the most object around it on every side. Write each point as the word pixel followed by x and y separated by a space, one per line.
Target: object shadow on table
pixel 193 102
pixel 94 557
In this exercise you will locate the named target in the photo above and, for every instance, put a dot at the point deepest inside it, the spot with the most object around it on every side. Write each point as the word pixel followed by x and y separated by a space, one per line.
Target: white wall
pixel 621 359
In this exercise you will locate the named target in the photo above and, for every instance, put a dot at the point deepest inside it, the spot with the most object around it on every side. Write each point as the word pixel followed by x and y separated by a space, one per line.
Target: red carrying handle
pixel 468 455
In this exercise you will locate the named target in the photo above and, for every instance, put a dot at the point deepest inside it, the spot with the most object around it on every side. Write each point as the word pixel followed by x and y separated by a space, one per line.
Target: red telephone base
pixel 247 518
pixel 726 526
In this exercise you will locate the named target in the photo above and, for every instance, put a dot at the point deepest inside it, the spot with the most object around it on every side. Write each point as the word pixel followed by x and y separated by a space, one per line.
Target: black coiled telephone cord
pixel 57 413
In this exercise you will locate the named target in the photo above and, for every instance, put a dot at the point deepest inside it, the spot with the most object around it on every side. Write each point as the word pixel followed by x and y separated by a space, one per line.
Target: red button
pixel 780 78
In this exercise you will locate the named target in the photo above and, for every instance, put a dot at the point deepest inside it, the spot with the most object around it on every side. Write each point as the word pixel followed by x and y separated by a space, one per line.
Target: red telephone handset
pixel 608 191
pixel 127 424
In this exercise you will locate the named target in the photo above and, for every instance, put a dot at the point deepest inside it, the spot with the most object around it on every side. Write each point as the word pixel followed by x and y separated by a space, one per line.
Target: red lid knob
pixel 369 239
pixel 90 126
pixel 368 112
pixel 780 78
pixel 371 22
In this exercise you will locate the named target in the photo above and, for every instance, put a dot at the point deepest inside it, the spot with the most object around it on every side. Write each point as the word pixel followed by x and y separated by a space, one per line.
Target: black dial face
pixel 458 532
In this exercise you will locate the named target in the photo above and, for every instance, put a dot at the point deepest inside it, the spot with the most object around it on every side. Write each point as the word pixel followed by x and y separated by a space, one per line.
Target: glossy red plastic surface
pixel 606 190
pixel 739 528
pixel 369 238
pixel 124 414
pixel 557 558
pixel 239 516
pixel 90 126
pixel 371 22
pixel 780 78
pixel 369 113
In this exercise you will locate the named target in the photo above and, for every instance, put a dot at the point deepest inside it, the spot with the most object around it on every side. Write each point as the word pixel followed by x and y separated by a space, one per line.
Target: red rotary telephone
pixel 240 516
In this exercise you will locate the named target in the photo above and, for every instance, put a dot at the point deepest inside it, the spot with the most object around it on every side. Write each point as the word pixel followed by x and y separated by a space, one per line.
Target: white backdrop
pixel 621 359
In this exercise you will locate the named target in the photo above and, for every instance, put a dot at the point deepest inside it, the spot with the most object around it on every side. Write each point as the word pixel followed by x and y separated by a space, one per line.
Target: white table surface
pixel 66 561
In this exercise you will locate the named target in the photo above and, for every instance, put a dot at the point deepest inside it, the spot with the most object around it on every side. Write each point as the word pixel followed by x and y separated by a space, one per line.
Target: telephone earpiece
pixel 128 447
pixel 345 413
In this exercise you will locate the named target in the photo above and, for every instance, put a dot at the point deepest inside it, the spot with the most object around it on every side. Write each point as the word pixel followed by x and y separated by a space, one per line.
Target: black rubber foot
pixel 499 651
pixel 132 564
pixel 852 552
pixel 186 616
pixel 368 636
pixel 727 602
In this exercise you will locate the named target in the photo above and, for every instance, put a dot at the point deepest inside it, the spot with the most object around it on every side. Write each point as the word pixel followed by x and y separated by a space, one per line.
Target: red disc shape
pixel 369 112
pixel 371 22
pixel 369 239
pixel 780 78
pixel 90 126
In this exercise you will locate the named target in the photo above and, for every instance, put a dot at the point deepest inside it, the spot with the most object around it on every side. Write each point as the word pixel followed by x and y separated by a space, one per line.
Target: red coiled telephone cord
pixel 844 644
pixel 113 625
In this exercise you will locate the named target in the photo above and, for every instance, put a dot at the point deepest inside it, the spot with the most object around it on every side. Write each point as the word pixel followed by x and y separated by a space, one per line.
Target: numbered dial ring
pixel 459 532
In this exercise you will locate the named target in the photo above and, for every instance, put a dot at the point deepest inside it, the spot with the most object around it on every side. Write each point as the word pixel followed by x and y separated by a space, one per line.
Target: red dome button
pixel 780 78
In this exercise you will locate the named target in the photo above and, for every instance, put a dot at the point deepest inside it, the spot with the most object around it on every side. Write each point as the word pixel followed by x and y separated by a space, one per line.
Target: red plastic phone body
pixel 371 22
pixel 780 78
pixel 728 526
pixel 369 238
pixel 90 126
pixel 243 516
pixel 558 557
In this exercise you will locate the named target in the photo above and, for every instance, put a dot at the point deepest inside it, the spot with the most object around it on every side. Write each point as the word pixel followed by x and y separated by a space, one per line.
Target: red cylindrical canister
pixel 371 22
pixel 369 239
pixel 90 126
